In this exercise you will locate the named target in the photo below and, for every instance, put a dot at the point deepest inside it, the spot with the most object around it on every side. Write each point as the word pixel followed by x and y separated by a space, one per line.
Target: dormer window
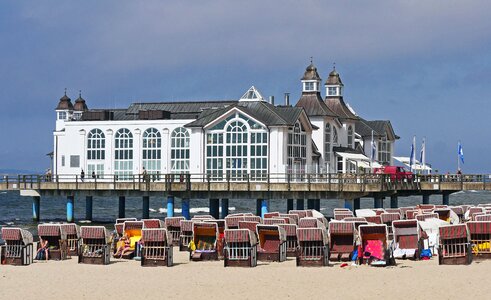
pixel 309 86
pixel 332 91
pixel 62 115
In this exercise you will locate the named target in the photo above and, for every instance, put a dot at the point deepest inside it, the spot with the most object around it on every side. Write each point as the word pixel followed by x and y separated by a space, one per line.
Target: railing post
pixel 38 178
pixel 208 178
pixel 329 181
pixel 228 182
pixel 57 181
pixel 76 182
pixel 248 182
pixel 95 183
pixel 134 182
pixel 7 181
pixel 268 179
pixel 288 180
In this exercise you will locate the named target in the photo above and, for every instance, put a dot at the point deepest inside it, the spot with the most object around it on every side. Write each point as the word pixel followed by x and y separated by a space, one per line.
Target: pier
pixel 301 187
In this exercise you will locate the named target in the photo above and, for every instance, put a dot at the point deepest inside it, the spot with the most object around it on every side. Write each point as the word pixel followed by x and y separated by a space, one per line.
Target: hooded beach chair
pixel 276 221
pixel 411 214
pixel 204 243
pixel 310 222
pixel 293 217
pixel 94 245
pixel 173 226
pixel 375 249
pixel 393 210
pixel 133 230
pixel 425 206
pixel 156 247
pixel 252 219
pixel 459 211
pixel 221 235
pixel 299 213
pixel 240 248
pixel 18 249
pixel 291 239
pixel 443 214
pixel 426 216
pixel 186 235
pixel 374 219
pixel 403 211
pixel 251 225
pixel 72 231
pixel 272 243
pixel 341 240
pixel 313 247
pixel 357 221
pixel 486 217
pixel 153 223
pixel 469 215
pixel 406 242
pixel 455 246
pixel 338 216
pixel 271 215
pixel 480 235
pixel 57 240
pixel 387 219
pixel 232 221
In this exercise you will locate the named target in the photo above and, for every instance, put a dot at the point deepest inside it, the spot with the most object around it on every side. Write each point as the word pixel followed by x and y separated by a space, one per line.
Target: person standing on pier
pixel 82 175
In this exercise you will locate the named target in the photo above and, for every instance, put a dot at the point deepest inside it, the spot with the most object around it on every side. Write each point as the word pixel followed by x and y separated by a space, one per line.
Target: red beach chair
pixel 186 235
pixel 272 243
pixel 387 219
pixel 173 226
pixel 73 237
pixel 57 240
pixel 486 217
pixel 291 239
pixel 407 235
pixel 375 250
pixel 341 240
pixel 232 222
pixel 240 248
pixel 310 222
pixel 18 249
pixel 276 221
pixel 480 234
pixel 313 249
pixel 293 217
pixel 455 247
pixel 271 215
pixel 153 223
pixel 94 245
pixel 157 247
pixel 426 216
pixel 374 219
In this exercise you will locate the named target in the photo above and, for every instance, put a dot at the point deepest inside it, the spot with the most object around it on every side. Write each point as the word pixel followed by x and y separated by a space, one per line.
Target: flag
pixel 413 154
pixel 422 155
pixel 461 152
pixel 374 149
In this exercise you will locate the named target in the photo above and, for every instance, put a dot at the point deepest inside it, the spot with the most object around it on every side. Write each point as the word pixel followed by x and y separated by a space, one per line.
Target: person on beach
pixel 123 246
pixel 43 250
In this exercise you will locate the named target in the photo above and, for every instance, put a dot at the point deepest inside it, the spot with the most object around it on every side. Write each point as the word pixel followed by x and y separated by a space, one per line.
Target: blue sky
pixel 425 65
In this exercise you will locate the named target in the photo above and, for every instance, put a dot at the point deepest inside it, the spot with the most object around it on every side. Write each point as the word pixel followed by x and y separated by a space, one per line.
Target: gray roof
pixel 364 127
pixel 181 109
pixel 337 105
pixel 311 73
pixel 334 78
pixel 313 105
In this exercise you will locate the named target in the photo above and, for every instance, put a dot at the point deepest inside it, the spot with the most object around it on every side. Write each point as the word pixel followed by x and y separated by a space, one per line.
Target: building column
pixel 300 204
pixel 394 201
pixel 170 206
pixel 146 207
pixel 317 205
pixel 264 207
pixel 289 205
pixel 426 199
pixel 215 208
pixel 378 202
pixel 224 205
pixel 445 198
pixel 36 204
pixel 356 204
pixel 69 208
pixel 349 204
pixel 185 209
pixel 88 208
pixel 121 207
pixel 310 203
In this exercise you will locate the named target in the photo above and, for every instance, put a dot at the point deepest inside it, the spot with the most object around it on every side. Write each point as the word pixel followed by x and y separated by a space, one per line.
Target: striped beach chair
pixel 293 217
pixel 204 243
pixel 426 216
pixel 310 222
pixel 357 221
pixel 252 219
pixel 156 248
pixel 133 230
pixel 455 247
pixel 374 219
pixel 443 214
pixel 459 211
pixel 276 221
pixel 299 213
pixel 341 240
pixel 18 249
pixel 186 235
pixel 73 237
pixel 232 221
pixel 271 215
pixel 425 206
pixel 291 239
pixel 272 243
pixel 387 219
pixel 472 211
pixel 480 235
pixel 394 210
pixel 94 245
pixel 486 217
pixel 122 220
pixel 221 235
pixel 240 248
pixel 153 223
pixel 411 214
pixel 173 226
pixel 338 216
pixel 375 250
pixel 313 249
pixel 251 225
pixel 407 234
pixel 57 240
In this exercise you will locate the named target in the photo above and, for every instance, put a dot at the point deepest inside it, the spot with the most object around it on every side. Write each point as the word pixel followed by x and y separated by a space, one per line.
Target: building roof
pixel 337 105
pixel 80 104
pixel 313 105
pixel 379 127
pixel 65 103
pixel 334 78
pixel 311 73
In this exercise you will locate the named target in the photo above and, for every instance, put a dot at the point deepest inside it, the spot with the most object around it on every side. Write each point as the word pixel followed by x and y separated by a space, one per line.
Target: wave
pixel 192 210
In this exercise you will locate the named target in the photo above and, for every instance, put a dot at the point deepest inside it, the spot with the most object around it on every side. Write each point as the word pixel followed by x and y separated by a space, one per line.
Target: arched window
pixel 334 135
pixel 152 153
pixel 180 150
pixel 327 145
pixel 236 149
pixel 350 136
pixel 297 149
pixel 96 152
pixel 123 154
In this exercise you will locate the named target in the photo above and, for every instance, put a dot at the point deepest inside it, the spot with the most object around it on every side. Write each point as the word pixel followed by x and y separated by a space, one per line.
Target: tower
pixel 79 107
pixel 334 85
pixel 311 79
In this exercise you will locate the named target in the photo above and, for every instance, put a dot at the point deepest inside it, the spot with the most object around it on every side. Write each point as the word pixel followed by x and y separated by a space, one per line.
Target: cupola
pixel 64 108
pixel 311 79
pixel 334 85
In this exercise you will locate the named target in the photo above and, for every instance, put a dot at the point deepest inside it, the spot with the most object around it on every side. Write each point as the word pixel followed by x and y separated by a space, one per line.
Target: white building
pixel 235 139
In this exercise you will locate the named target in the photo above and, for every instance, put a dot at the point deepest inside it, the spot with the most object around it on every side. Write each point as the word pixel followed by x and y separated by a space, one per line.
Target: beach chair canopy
pixel 290 229
pixel 251 225
pixel 373 231
pixel 240 236
pixel 94 232
pixel 122 220
pixel 426 216
pixel 299 213
pixel 45 230
pixel 486 217
pixel 389 217
pixel 293 218
pixel 153 223
pixel 458 231
pixel 312 235
pixel 374 219
pixel 459 210
pixel 187 225
pixel 406 233
pixel 71 229
pixel 173 221
pixel 252 219
pixel 156 235
pixel 341 228
pixel 479 227
pixel 309 222
pixel 271 215
pixel 10 234
pixel 205 229
pixel 275 221
pixel 203 217
pixel 265 232
pixel 233 221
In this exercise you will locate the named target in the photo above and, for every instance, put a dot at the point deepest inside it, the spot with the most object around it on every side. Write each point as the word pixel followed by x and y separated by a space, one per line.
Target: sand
pixel 124 279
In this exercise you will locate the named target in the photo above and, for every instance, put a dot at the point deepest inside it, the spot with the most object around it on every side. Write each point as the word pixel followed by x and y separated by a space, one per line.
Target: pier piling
pixel 394 201
pixel 289 205
pixel 185 208
pixel 170 206
pixel 215 208
pixel 300 204
pixel 356 204
pixel 88 208
pixel 426 199
pixel 121 207
pixel 310 203
pixel 224 205
pixel 378 202
pixel 69 209
pixel 349 203
pixel 36 202
pixel 445 198
pixel 146 207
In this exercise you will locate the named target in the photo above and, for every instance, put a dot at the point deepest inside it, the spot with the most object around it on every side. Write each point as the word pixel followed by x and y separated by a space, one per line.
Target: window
pixel 63 160
pixel 350 136
pixel 238 146
pixel 62 115
pixel 96 152
pixel 152 153
pixel 332 91
pixel 327 144
pixel 384 150
pixel 309 86
pixel 334 135
pixel 74 161
pixel 297 149
pixel 123 154
pixel 180 151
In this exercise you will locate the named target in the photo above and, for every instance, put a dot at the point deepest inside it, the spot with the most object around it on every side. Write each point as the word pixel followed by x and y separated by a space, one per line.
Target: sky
pixel 424 65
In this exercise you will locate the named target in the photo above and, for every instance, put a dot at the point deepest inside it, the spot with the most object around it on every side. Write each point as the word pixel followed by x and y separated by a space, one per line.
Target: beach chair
pixel 425 206
pixel 406 242
pixel 271 215
pixel 156 247
pixel 122 220
pixel 73 237
pixel 276 221
pixel 426 216
pixel 153 223
pixel 387 219
pixel 272 243
pixel 202 217
pixel 472 211
pixel 251 225
pixel 133 230
pixel 57 240
pixel 357 221
pixel 256 219
pixel 232 221
pixel 313 249
pixel 393 210
pixel 403 211
pixel 18 249
pixel 443 214
pixel 240 248
pixel 459 211
pixel 341 240
pixel 221 235
pixel 374 219
pixel 173 226
pixel 186 235
pixel 94 246
pixel 291 239
pixel 309 222
pixel 411 214
pixel 486 217
pixel 204 243
pixel 341 215
pixel 455 247
pixel 375 250
pixel 299 213
pixel 480 235
pixel 293 217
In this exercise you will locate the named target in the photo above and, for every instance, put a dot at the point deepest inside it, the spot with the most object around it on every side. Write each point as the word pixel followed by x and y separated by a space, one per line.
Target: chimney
pixel 271 100
pixel 287 99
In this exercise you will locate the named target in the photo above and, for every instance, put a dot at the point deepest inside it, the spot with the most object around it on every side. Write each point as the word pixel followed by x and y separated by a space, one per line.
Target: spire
pixel 80 103
pixel 65 103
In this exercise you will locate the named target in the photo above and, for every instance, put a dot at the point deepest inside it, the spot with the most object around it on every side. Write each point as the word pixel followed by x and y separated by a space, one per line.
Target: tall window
pixel 96 152
pixel 123 154
pixel 334 135
pixel 297 149
pixel 327 145
pixel 180 150
pixel 384 150
pixel 350 136
pixel 152 153
pixel 238 146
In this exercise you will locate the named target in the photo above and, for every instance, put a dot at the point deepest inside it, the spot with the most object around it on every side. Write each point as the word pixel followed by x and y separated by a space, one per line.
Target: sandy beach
pixel 210 280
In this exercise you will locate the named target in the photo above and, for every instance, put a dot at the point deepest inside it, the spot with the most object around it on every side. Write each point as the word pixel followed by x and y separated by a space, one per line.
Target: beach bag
pixel 41 255
pixel 425 254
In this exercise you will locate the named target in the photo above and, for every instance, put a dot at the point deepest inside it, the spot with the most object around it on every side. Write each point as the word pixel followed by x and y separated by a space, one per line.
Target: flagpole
pixel 458 158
